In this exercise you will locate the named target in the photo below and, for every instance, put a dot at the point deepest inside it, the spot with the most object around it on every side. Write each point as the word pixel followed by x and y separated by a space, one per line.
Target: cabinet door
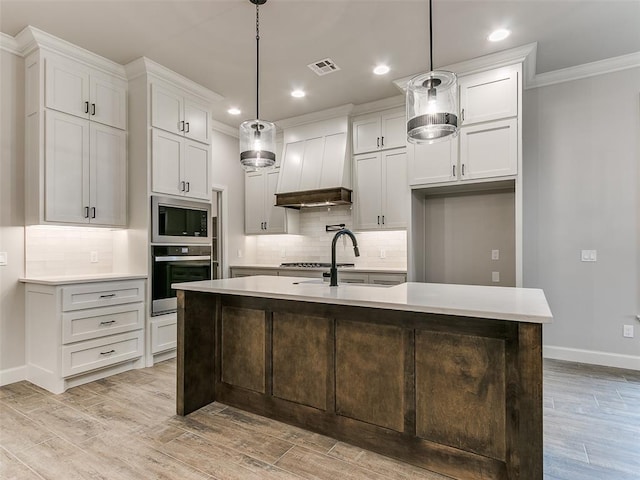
pixel 489 150
pixel 366 134
pixel 274 216
pixel 66 87
pixel 368 201
pixel 254 202
pixel 433 163
pixel 333 161
pixel 166 110
pixel 311 164
pixel 394 129
pixel 489 96
pixel 290 178
pixel 395 189
pixel 166 152
pixel 107 176
pixel 196 118
pixel 195 170
pixel 66 168
pixel 108 102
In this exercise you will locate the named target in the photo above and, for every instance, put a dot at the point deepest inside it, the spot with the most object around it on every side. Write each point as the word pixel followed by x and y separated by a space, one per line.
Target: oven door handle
pixel 183 258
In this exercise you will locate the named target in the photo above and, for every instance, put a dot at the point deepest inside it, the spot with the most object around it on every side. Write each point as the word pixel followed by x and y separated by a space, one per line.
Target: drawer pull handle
pixel 108 323
pixel 108 353
pixel 108 295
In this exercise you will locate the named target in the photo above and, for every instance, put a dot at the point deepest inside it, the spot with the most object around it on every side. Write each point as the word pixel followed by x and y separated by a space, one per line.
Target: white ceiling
pixel 213 41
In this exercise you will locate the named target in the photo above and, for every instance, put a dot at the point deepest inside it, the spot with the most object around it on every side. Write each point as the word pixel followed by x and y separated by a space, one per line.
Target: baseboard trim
pixel 594 357
pixel 13 375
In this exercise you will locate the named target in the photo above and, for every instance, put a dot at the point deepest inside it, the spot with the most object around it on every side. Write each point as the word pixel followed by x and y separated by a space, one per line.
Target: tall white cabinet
pixel 76 138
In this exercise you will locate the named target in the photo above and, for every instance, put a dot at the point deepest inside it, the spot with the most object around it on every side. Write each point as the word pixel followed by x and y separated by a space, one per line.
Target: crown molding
pixel 31 38
pixel 9 44
pixel 144 65
pixel 525 54
pixel 224 128
pixel 341 111
pixel 379 105
pixel 586 70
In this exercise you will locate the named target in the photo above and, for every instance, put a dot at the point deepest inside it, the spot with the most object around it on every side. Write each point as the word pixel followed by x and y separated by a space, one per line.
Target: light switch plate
pixel 3 258
pixel 627 331
pixel 495 276
pixel 495 254
pixel 589 255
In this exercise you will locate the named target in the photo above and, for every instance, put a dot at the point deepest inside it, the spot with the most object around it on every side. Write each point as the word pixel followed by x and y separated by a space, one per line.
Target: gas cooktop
pixel 315 265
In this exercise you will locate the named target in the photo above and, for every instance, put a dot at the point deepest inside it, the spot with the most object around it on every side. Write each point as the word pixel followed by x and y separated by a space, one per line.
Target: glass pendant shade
pixel 257 144
pixel 432 106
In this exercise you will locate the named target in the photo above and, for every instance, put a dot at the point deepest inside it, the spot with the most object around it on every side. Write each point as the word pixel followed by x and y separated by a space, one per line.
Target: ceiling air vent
pixel 322 67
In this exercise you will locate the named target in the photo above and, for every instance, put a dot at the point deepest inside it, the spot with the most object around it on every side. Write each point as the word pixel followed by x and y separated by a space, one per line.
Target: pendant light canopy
pixel 432 102
pixel 257 137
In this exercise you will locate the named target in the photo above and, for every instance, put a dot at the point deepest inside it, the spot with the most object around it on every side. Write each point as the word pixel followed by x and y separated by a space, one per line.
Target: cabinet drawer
pixel 84 356
pixel 100 322
pixel 102 294
pixel 164 334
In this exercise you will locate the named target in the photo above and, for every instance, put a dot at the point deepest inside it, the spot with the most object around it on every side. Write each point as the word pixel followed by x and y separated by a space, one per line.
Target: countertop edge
pixel 72 279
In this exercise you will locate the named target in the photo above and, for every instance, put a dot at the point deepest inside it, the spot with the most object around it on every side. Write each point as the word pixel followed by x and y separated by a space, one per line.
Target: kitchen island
pixel 446 377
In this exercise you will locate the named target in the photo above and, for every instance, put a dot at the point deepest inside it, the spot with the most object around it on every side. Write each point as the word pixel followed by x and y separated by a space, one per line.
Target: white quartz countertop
pixel 502 303
pixel 88 278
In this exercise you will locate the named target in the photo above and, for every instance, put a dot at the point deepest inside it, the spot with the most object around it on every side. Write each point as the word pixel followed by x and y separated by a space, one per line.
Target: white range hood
pixel 315 169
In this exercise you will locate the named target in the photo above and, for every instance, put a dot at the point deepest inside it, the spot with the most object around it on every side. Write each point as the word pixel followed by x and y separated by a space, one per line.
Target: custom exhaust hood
pixel 315 170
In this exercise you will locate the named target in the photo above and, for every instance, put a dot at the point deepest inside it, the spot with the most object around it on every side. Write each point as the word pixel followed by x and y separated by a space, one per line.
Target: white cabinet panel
pixel 368 170
pixel 101 294
pixel 379 131
pixel 166 109
pixel 395 189
pixel 311 164
pixel 275 217
pixel 196 121
pixel 164 334
pixel 167 156
pixel 394 129
pixel 433 163
pixel 254 202
pixel 366 134
pixel 196 170
pixel 108 176
pixel 66 87
pixel 261 215
pixel 66 168
pixel 108 98
pixel 292 167
pixel 489 96
pixel 100 322
pixel 489 150
pixel 333 160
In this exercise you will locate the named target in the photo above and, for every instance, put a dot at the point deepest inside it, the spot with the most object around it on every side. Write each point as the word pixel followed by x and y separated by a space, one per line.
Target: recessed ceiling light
pixel 298 93
pixel 234 111
pixel 381 70
pixel 498 35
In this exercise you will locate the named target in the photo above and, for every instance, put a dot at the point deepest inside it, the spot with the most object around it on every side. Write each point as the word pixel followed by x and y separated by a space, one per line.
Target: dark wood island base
pixel 456 395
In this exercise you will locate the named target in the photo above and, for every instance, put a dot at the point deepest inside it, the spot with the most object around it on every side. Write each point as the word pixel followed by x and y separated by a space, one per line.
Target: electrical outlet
pixel 3 258
pixel 495 254
pixel 383 253
pixel 589 255
pixel 94 257
pixel 495 276
pixel 627 331
pixel 239 253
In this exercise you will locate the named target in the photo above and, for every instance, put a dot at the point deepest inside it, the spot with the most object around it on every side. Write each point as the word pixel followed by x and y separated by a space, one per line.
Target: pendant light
pixel 257 137
pixel 432 106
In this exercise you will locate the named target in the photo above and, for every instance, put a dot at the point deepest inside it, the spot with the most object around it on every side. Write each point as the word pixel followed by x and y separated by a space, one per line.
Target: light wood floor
pixel 124 427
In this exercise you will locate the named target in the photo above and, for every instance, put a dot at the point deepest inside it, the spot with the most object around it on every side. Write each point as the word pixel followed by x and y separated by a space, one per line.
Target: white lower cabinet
pixel 164 333
pixel 344 275
pixel 77 333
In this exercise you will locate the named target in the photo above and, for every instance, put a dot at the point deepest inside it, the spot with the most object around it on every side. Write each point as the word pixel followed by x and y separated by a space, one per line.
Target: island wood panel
pixel 461 377
pixel 521 364
pixel 370 365
pixel 243 344
pixel 302 351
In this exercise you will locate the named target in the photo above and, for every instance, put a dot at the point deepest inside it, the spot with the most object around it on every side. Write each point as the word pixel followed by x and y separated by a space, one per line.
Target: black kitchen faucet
pixel 334 270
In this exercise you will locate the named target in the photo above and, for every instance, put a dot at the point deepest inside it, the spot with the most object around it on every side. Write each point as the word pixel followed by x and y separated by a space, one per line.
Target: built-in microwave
pixel 180 221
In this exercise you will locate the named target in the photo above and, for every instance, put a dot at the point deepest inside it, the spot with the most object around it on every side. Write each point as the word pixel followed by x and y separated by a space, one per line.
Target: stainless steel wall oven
pixel 174 264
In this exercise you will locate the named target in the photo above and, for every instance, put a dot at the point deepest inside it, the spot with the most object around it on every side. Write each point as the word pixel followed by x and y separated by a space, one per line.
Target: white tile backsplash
pixel 56 250
pixel 314 242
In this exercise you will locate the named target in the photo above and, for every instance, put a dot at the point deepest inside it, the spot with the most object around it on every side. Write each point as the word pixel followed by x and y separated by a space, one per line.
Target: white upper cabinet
pixel 489 150
pixel 379 131
pixel 79 90
pixel 177 113
pixel 180 166
pixel 433 163
pixel 261 215
pixel 489 96
pixel 382 193
pixel 86 172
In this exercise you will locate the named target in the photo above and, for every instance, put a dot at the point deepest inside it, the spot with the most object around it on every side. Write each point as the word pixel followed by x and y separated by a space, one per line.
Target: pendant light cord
pixel 430 39
pixel 257 60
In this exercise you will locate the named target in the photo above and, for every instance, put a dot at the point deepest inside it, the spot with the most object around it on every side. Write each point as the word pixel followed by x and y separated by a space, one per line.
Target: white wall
pixel 581 183
pixel 12 331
